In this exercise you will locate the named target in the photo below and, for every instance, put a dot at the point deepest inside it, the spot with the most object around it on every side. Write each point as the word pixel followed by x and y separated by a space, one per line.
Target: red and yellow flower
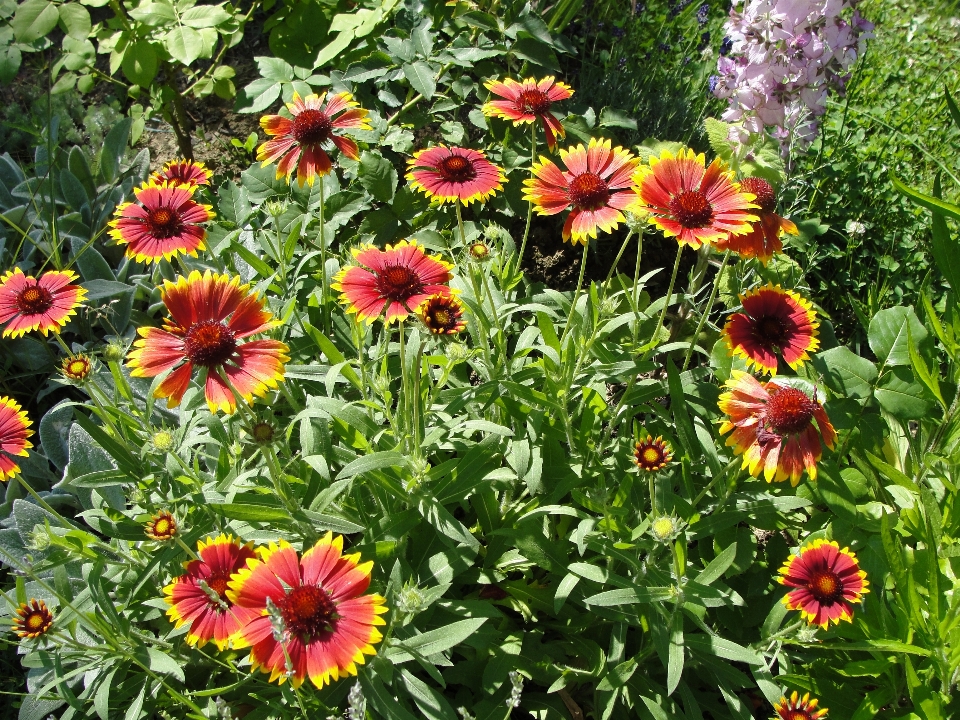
pixel 209 315
pixel 826 580
pixel 595 187
pixel 164 222
pixel 182 172
pixel 33 619
pixel 44 304
pixel 691 202
pixel 298 142
pixel 652 454
pixel 199 597
pixel 14 431
pixel 527 102
pixel 76 367
pixel 454 174
pixel 799 708
pixel 763 239
pixel 318 602
pixel 774 322
pixel 442 315
pixel 400 279
pixel 773 428
pixel 161 527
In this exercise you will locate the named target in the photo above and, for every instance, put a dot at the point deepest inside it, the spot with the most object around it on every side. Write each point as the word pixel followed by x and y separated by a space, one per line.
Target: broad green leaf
pixel 75 20
pixel 10 59
pixel 433 641
pixel 275 69
pixel 33 20
pixel 888 334
pixel 902 396
pixel 139 63
pixel 421 77
pixel 536 52
pixel 378 176
pixel 609 117
pixel 431 703
pixel 162 663
pixel 258 96
pixel 184 44
pixel 154 14
pixel 205 16
pixel 846 373
pixel 333 49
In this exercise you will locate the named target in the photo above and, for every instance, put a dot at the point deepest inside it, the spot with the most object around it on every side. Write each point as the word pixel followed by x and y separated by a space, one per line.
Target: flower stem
pixel 323 267
pixel 526 230
pixel 706 312
pixel 576 293
pixel 666 301
pixel 636 289
pixel 481 315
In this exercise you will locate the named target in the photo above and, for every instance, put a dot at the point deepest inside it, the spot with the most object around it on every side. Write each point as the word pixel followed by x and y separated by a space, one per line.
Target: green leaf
pixel 431 703
pixel 139 63
pixel 846 373
pixel 718 134
pixel 722 648
pixel 162 663
pixel 675 653
pixel 333 49
pixel 250 513
pixel 888 334
pixel 275 69
pixel 946 250
pixel 629 596
pixel 381 699
pixel 902 396
pixel 135 709
pixel 154 14
pixel 378 176
pixel 33 20
pixel 10 59
pixel 374 461
pixel 184 45
pixel 434 641
pixel 421 77
pixel 609 117
pixel 718 566
pixel 258 96
pixel 927 201
pixel 536 52
pixel 205 16
pixel 75 20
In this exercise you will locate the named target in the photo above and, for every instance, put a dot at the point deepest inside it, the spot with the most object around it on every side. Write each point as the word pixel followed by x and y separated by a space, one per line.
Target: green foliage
pixel 490 477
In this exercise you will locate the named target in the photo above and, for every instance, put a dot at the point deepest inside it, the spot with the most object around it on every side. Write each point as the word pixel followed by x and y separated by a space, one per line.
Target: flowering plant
pixel 394 476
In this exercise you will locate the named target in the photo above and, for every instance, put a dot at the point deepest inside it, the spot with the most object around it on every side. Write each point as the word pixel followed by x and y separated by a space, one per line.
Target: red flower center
pixel 789 411
pixel 691 208
pixel 209 343
pixel 456 168
pixel 766 198
pixel 770 331
pixel 589 191
pixel 312 127
pixel 218 583
pixel 797 715
pixel 398 283
pixel 34 300
pixel 308 611
pixel 826 587
pixel 534 101
pixel 164 223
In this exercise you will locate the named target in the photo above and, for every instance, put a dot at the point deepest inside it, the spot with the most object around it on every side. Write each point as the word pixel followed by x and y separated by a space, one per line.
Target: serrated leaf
pixel 421 77
pixel 378 176
pixel 258 96
pixel 184 44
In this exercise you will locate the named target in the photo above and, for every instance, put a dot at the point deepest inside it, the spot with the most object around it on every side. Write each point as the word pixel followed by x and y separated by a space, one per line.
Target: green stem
pixel 323 267
pixel 706 312
pixel 636 290
pixel 666 301
pixel 526 230
pixel 576 294
pixel 481 315
pixel 403 404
